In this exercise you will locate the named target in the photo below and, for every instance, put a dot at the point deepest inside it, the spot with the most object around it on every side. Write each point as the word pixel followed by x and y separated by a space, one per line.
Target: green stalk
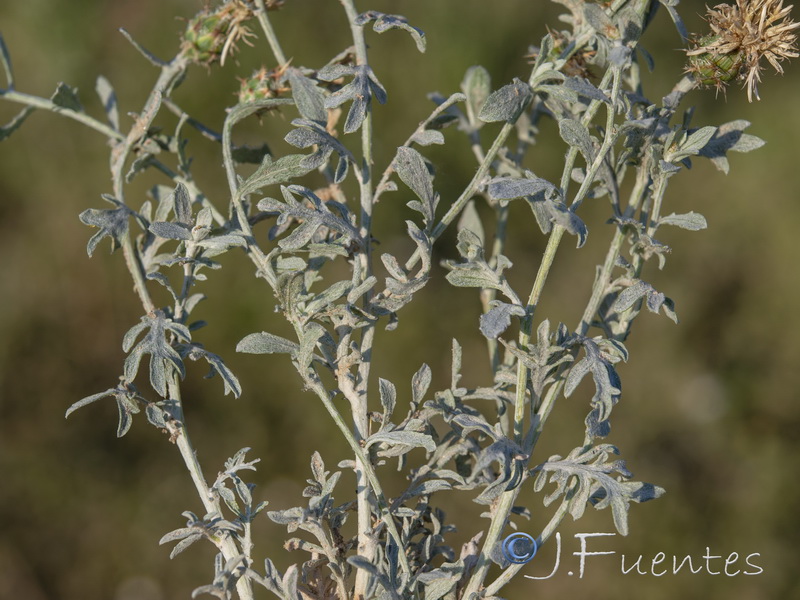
pixel 44 103
pixel 470 190
pixel 506 503
pixel 210 502
pixel 269 32
pixel 604 277
pixel 488 295
pixel 453 99
pixel 359 403
pixel 383 505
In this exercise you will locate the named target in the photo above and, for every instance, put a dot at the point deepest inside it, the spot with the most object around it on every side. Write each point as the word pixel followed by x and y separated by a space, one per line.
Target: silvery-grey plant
pixel 586 79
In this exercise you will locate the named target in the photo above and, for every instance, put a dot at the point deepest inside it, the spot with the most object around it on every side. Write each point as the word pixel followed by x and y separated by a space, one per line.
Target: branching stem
pixel 506 503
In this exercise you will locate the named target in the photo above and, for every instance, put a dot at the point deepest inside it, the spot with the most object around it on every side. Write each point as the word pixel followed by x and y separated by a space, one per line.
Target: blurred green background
pixel 710 407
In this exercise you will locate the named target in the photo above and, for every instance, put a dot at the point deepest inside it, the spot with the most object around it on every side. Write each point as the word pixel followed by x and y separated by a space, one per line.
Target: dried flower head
pixel 740 37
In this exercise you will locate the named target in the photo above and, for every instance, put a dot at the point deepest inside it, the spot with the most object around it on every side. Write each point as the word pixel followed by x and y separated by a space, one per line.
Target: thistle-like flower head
pixel 741 35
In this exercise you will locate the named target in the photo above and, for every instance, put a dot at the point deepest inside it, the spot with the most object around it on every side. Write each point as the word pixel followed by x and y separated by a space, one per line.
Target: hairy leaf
pixel 384 22
pixel 266 343
pixel 311 219
pixel 108 98
pixel 272 172
pixel 402 438
pixel 307 96
pixel 164 359
pixel 113 223
pixel 497 320
pixel 360 90
pixel 476 85
pixel 507 103
pixel 594 481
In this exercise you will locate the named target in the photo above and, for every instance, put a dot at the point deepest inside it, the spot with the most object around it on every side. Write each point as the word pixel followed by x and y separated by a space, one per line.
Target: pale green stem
pixel 453 99
pixel 488 295
pixel 474 184
pixel 383 505
pixel 253 250
pixel 44 103
pixel 170 74
pixel 269 33
pixel 180 434
pixel 604 277
pixel 507 499
pixel 137 273
pixel 366 542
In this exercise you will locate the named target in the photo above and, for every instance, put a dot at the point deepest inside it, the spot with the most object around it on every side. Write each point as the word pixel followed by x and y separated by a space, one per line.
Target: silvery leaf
pixel 426 137
pixel 384 22
pixel 498 318
pixel 108 98
pixel 360 90
pixel 266 343
pixel 420 383
pixel 507 103
pixel 171 231
pixel 113 223
pixel 577 135
pixel 411 169
pixel 405 438
pixel 164 359
pixel 476 85
pixel 307 96
pixel 272 172
pixel 692 221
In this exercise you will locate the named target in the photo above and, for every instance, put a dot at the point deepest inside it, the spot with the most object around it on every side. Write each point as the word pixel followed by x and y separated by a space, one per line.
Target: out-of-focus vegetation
pixel 719 433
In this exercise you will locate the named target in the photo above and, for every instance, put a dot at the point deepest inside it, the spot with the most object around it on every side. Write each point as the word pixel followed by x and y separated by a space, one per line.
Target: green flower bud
pixel 715 69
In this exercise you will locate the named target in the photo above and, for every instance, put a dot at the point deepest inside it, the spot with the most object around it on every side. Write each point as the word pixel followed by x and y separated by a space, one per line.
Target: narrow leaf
pixel 5 58
pixel 405 438
pixel 171 231
pixel 15 123
pixel 576 135
pixel 420 383
pixel 272 172
pixel 108 97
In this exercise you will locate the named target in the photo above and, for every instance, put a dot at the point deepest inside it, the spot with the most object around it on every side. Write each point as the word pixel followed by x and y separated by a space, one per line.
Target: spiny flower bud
pixel 741 36
pixel 262 84
pixel 712 69
pixel 212 34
